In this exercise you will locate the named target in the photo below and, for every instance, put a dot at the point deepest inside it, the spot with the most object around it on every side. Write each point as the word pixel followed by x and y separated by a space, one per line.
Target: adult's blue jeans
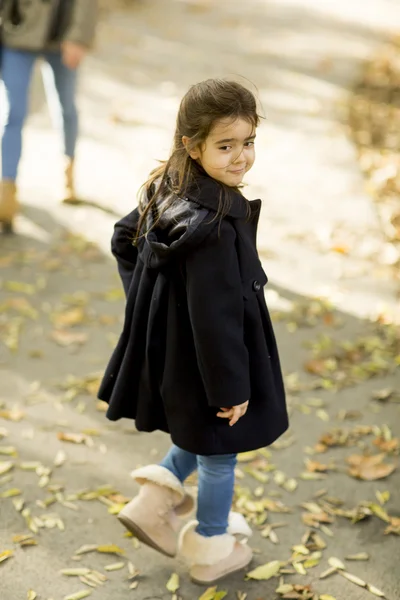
pixel 216 486
pixel 60 84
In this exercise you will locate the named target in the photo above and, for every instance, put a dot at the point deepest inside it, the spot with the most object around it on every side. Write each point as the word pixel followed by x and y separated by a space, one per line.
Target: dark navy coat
pixel 197 334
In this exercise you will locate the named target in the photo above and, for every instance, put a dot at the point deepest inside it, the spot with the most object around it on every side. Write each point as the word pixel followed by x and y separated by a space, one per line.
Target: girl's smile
pixel 228 152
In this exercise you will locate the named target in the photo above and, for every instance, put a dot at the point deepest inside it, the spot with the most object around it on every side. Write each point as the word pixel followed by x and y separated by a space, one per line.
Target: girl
pixel 197 356
pixel 60 31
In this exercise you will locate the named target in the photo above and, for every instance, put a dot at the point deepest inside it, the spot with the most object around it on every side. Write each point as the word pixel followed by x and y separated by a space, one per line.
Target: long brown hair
pixel 202 106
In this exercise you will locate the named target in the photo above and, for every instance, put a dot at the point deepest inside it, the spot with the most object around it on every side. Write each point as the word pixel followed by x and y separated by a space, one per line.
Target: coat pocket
pixel 255 284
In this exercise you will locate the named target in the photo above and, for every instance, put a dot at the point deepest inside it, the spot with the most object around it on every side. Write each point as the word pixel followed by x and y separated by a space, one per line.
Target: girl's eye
pixel 226 148
pixel 249 144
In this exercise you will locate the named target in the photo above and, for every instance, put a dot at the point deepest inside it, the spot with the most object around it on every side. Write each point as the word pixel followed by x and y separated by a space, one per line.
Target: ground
pixel 61 305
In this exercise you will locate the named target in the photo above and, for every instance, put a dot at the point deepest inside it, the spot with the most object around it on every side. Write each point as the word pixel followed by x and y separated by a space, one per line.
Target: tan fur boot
pixel 152 516
pixel 212 558
pixel 70 193
pixel 8 204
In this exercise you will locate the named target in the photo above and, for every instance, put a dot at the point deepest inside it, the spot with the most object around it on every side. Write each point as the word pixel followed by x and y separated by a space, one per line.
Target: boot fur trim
pixel 205 551
pixel 159 475
pixel 237 525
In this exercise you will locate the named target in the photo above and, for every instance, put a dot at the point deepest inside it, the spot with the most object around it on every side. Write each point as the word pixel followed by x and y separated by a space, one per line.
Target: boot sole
pixel 224 574
pixel 142 536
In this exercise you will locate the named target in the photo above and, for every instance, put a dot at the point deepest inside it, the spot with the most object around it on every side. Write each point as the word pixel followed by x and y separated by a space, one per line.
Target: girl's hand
pixel 72 54
pixel 234 413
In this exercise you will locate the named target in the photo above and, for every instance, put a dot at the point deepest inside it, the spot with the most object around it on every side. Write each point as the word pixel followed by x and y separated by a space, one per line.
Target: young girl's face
pixel 228 152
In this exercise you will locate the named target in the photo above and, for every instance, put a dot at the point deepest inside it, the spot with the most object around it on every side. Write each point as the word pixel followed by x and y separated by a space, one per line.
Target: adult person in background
pixel 61 32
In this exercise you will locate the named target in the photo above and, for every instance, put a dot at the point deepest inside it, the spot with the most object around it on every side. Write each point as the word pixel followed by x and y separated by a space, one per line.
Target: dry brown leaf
pixel 389 446
pixel 65 338
pixel 74 438
pixel 394 526
pixel 15 414
pixel 369 468
pixel 70 317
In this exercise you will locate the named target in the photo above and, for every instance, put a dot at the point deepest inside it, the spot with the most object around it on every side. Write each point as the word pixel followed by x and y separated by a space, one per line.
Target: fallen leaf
pixel 79 595
pixel 110 549
pixel 69 318
pixel 375 591
pixel 6 554
pixel 369 468
pixel 5 467
pixel 20 287
pixel 336 563
pixel 327 597
pixel 265 572
pixel 173 583
pixel 394 526
pixel 31 595
pixel 115 566
pixel 75 572
pixel 15 414
pixel 360 556
pixel 74 438
pixel 65 338
pixel 353 579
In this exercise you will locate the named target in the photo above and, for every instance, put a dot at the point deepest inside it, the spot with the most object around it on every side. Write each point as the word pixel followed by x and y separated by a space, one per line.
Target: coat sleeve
pixel 83 25
pixel 215 303
pixel 124 250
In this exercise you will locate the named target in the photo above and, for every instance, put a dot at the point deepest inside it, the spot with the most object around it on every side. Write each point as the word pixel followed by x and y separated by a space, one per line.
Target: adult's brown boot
pixel 8 204
pixel 153 515
pixel 70 192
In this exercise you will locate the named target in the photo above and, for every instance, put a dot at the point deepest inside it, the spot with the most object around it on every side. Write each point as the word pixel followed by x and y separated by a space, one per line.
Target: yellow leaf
pixel 284 588
pixel 212 594
pixel 8 451
pixel 75 572
pixel 20 287
pixel 301 549
pixel 360 556
pixel 326 597
pixel 12 415
pixel 10 493
pixel 265 572
pixel 299 567
pixel 247 456
pixel 115 566
pixel 79 595
pixel 5 555
pixel 31 595
pixel 379 512
pixel 111 549
pixel 375 591
pixel 353 579
pixel 69 317
pixel 173 583
pixel 5 467
pixel 336 563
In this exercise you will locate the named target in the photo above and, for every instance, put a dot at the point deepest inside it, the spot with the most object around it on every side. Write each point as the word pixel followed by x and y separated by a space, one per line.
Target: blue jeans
pixel 60 83
pixel 216 486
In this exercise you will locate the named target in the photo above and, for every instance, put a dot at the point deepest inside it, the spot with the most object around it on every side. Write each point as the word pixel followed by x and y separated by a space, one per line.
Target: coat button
pixel 256 286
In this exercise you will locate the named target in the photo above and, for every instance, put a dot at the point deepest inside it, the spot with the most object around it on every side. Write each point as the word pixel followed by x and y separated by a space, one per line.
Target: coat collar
pixel 209 193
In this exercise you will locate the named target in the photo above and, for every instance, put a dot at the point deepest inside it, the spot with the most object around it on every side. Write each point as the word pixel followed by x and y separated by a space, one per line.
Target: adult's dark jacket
pixel 197 334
